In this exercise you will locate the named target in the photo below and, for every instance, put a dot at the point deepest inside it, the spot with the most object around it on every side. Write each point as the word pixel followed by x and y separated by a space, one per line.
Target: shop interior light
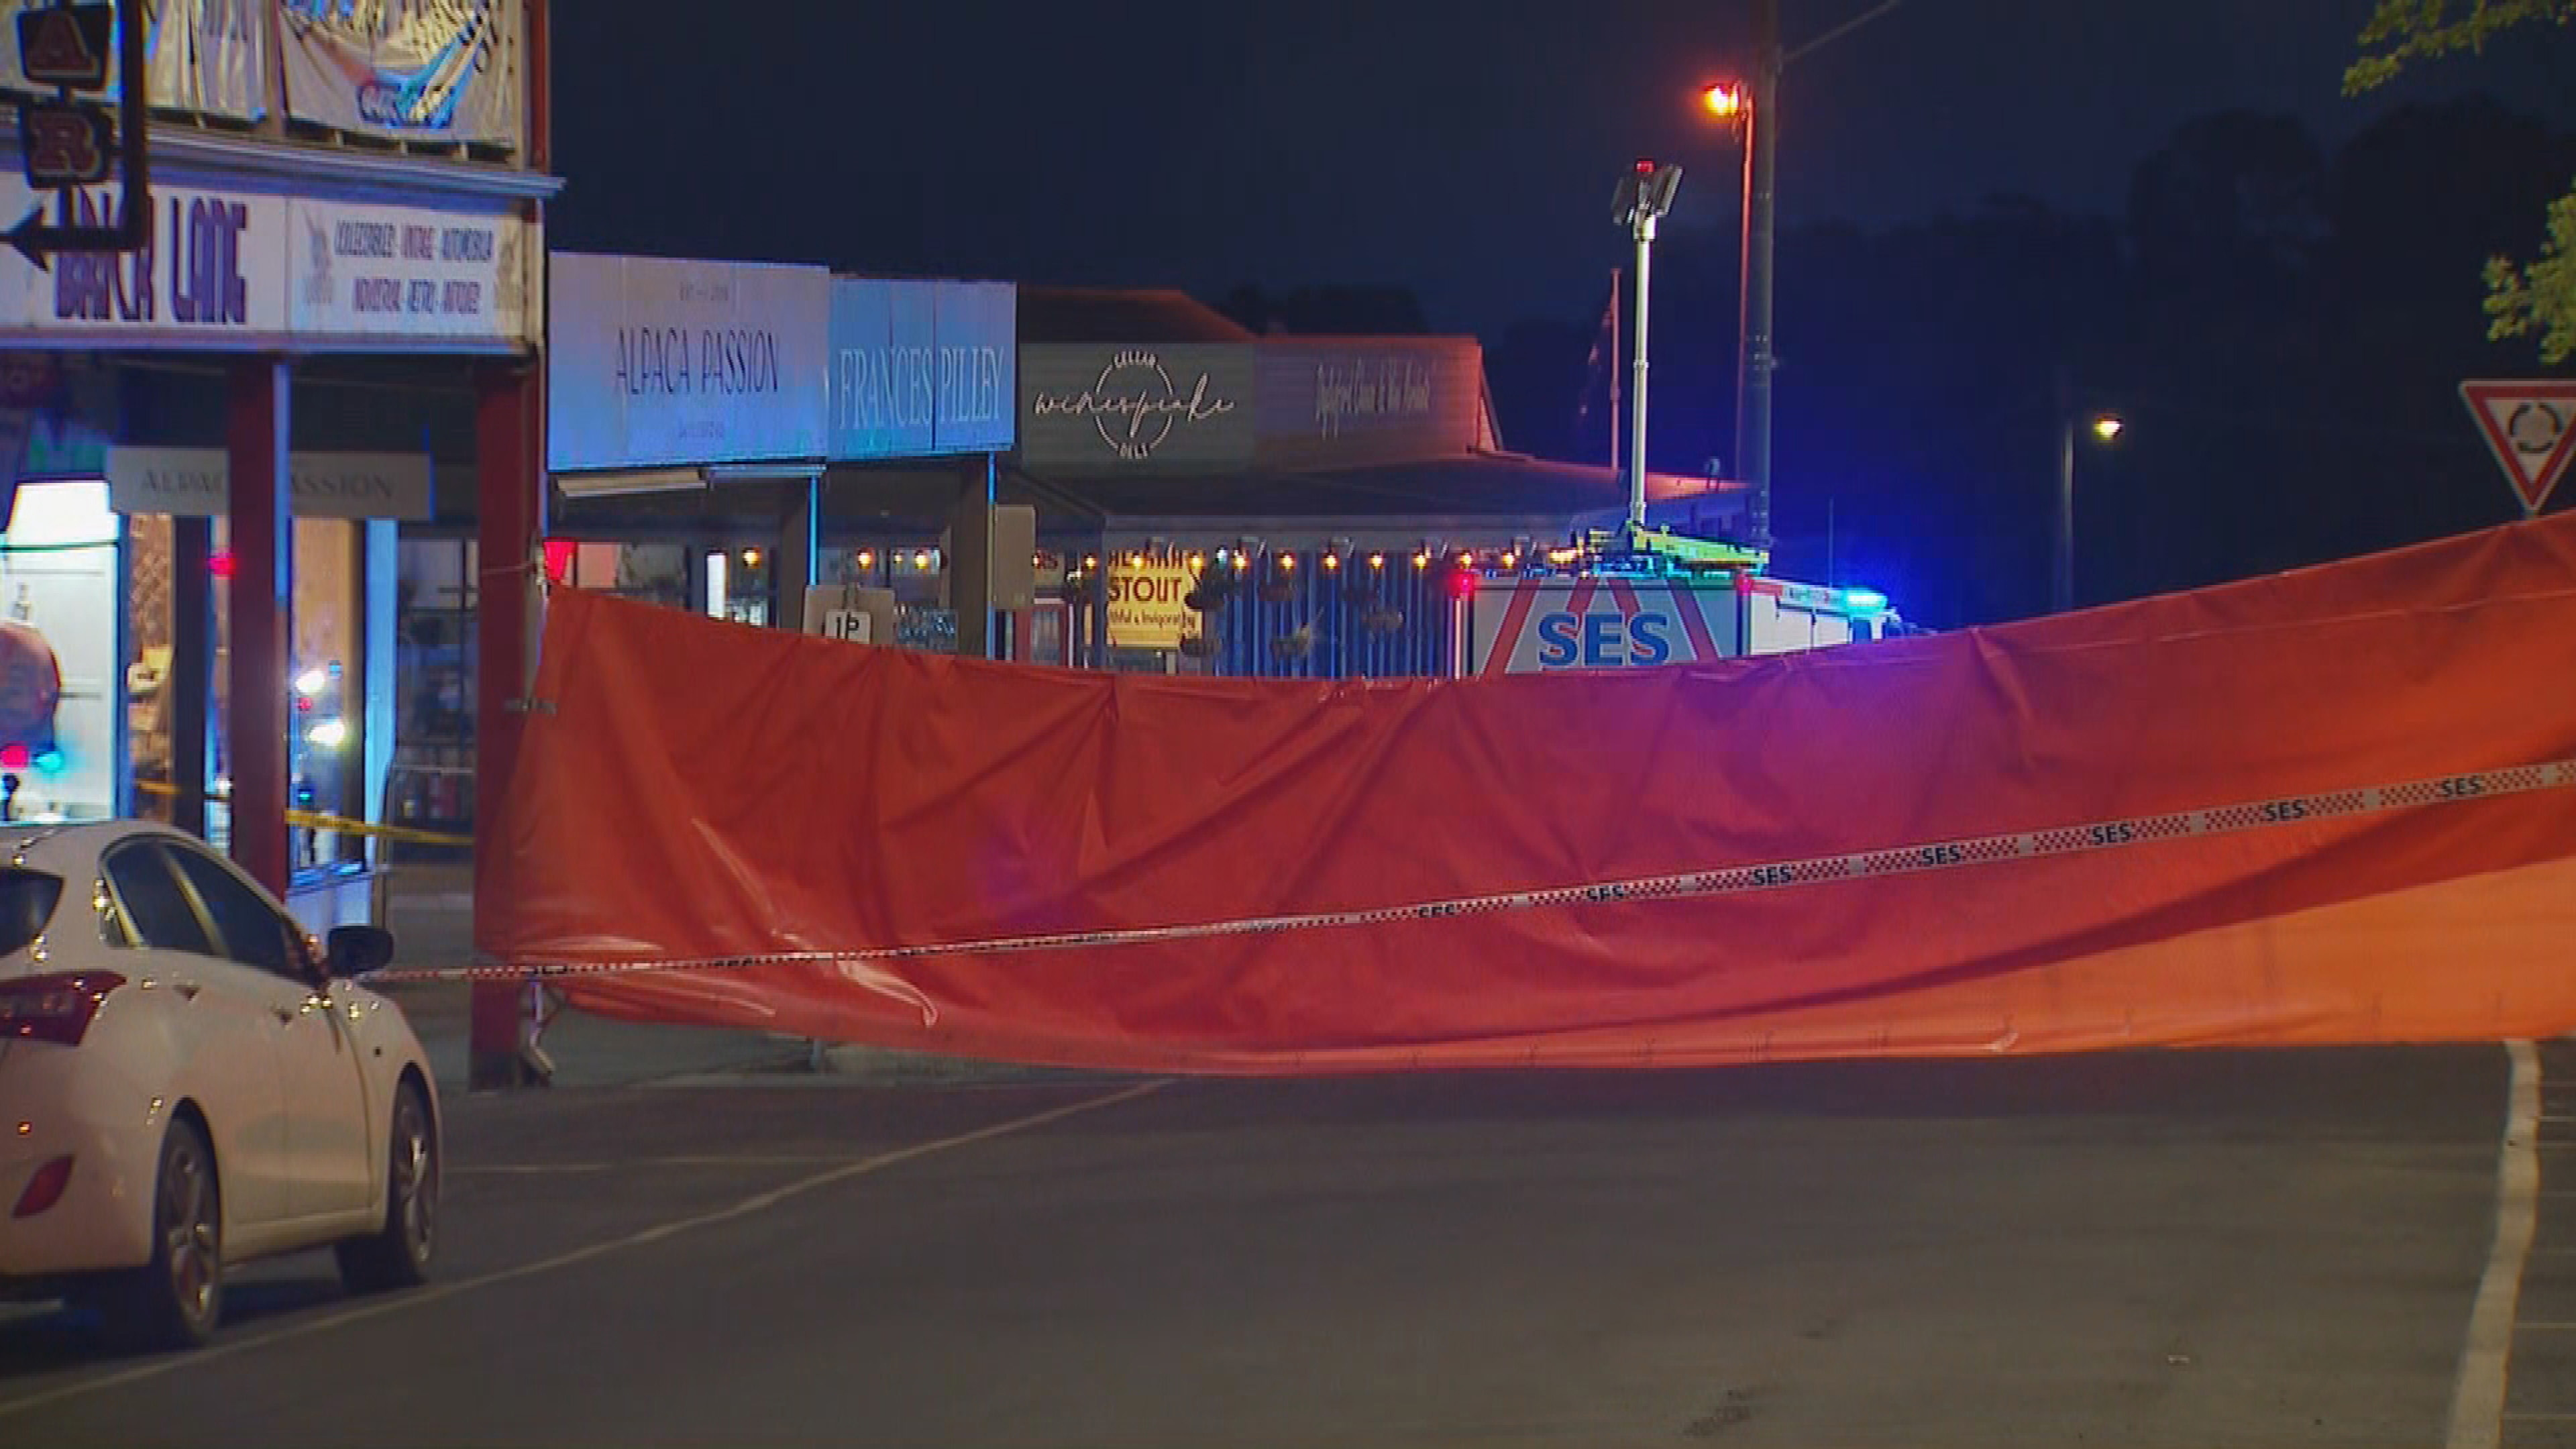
pixel 312 682
pixel 14 756
pixel 751 558
pixel 1198 561
pixel 1287 561
pixel 1090 561
pixel 49 761
pixel 921 559
pixel 1511 560
pixel 330 734
pixel 1377 560
pixel 1331 561
pixel 1421 560
pixel 867 558
pixel 220 563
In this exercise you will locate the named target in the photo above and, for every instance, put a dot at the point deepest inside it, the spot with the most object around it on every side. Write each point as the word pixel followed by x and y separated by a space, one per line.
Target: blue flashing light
pixel 1864 601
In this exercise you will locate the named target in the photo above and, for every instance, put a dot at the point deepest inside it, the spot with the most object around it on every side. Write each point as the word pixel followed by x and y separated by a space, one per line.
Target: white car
pixel 188 1080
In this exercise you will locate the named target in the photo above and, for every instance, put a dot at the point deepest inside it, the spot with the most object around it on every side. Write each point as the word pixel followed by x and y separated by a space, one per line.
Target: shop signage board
pixel 921 368
pixel 210 277
pixel 415 72
pixel 356 270
pixel 652 362
pixel 244 269
pixel 1136 407
pixel 1328 402
pixel 1145 608
pixel 206 57
pixel 196 483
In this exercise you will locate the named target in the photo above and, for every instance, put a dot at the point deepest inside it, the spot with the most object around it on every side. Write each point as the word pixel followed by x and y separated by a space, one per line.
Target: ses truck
pixel 1639 598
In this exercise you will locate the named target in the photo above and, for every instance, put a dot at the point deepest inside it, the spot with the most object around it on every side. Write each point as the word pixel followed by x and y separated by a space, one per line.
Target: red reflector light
pixel 53 1008
pixel 45 1188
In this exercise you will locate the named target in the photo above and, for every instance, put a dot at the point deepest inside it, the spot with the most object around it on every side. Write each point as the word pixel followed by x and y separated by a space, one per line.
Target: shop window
pixel 59 562
pixel 432 784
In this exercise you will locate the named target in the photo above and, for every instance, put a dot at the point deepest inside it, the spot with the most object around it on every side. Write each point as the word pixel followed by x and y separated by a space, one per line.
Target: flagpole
pixel 1614 372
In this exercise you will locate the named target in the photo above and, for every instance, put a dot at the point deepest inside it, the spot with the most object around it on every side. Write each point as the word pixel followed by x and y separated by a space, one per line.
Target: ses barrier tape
pixel 2105 835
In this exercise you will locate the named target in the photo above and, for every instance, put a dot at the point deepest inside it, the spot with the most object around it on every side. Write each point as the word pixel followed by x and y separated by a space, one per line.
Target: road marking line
pixel 440 1292
pixel 2477 1401
pixel 548 1169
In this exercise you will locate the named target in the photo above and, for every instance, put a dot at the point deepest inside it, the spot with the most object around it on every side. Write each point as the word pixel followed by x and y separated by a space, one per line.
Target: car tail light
pixel 45 1188
pixel 53 1008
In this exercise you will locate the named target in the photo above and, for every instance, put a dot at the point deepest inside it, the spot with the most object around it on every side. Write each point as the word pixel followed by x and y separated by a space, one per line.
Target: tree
pixel 2527 299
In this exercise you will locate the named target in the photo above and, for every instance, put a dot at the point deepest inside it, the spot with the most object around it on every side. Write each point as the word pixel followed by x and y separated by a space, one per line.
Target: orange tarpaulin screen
pixel 2329 806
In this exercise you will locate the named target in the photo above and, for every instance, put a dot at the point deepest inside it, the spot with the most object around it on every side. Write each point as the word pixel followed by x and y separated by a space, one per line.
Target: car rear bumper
pixel 111 1131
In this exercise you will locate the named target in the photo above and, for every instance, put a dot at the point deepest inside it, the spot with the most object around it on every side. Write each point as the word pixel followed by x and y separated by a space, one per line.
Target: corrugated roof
pixel 1106 314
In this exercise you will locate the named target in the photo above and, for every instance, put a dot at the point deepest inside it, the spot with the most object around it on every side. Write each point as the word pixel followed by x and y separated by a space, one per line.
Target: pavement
pixel 430 909
pixel 2200 1249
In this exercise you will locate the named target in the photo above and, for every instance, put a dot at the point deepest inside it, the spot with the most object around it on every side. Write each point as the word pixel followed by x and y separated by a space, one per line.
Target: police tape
pixel 315 820
pixel 1965 853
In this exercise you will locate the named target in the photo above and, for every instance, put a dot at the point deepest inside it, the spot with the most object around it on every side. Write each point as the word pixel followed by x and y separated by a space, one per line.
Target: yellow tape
pixel 341 823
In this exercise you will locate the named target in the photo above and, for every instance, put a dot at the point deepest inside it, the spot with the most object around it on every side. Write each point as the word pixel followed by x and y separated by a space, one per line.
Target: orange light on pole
pixel 1724 100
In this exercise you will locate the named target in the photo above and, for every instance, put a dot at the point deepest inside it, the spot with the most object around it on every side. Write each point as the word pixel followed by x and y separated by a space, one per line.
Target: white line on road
pixel 550 1169
pixel 2477 1401
pixel 439 1292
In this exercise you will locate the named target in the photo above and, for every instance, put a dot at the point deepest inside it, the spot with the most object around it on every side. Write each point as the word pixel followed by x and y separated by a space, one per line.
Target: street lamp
pixel 1725 100
pixel 1645 194
pixel 2106 428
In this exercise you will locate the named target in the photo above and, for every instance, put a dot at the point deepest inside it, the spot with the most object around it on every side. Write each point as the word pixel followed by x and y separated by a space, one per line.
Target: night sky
pixel 1426 144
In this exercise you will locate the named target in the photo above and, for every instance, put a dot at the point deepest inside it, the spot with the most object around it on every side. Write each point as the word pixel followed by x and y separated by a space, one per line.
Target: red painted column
pixel 510 516
pixel 255 679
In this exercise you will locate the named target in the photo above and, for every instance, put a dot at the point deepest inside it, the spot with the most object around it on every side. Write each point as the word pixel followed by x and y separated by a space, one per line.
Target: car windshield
pixel 27 900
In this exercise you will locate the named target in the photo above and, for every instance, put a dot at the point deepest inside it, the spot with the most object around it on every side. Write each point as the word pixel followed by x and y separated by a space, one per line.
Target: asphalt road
pixel 2186 1249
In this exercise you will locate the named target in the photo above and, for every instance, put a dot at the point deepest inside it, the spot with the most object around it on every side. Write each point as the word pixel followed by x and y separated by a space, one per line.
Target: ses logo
pixel 1604 641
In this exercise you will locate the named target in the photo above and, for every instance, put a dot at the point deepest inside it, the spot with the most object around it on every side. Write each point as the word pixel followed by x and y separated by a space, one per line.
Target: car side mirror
pixel 357 950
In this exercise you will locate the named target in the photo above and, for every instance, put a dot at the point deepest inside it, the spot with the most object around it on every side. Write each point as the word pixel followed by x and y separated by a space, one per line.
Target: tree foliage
pixel 2525 299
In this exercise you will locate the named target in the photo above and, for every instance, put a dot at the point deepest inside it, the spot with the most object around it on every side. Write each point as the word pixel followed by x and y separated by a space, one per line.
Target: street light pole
pixel 1753 368
pixel 2062 582
pixel 1644 228
pixel 1645 194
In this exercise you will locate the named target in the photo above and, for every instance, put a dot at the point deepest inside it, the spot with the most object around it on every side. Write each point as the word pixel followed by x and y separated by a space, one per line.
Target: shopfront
pixel 686 405
pixel 853 472
pixel 223 429
pixel 1277 506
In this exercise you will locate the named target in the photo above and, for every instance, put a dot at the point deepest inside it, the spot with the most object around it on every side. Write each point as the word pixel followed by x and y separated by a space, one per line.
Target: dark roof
pixel 1501 485
pixel 1102 314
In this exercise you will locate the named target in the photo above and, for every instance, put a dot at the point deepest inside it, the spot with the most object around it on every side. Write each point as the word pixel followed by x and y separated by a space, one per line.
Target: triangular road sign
pixel 2531 428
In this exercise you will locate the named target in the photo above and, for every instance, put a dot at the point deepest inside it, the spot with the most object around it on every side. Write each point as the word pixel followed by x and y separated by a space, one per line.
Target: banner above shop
pixel 652 361
pixel 921 367
pixel 197 483
pixel 1332 403
pixel 1133 407
pixel 404 271
pixel 205 57
pixel 246 269
pixel 415 72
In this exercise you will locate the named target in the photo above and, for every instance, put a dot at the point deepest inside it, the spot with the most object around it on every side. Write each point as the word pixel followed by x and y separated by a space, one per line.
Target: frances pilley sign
pixel 1136 407
pixel 921 367
pixel 197 483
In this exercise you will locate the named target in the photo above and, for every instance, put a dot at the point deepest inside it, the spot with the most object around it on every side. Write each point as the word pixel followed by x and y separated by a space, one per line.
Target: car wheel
pixel 175 1300
pixel 397 1254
